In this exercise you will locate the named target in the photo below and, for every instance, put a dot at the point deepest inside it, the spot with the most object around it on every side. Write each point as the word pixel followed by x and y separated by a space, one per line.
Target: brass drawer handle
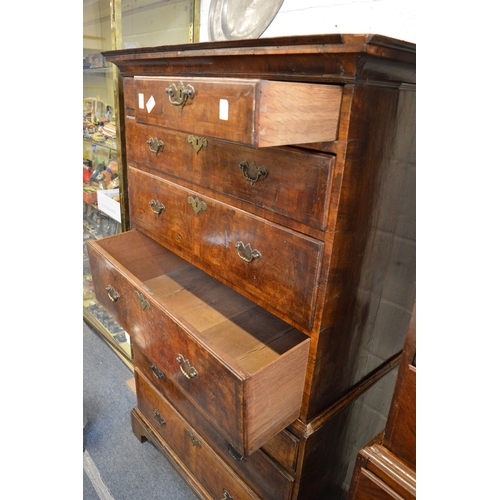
pixel 251 172
pixel 156 371
pixel 142 300
pixel 112 293
pixel 178 94
pixel 157 207
pixel 197 142
pixel 197 205
pixel 226 496
pixel 159 418
pixel 155 145
pixel 192 438
pixel 246 253
pixel 186 368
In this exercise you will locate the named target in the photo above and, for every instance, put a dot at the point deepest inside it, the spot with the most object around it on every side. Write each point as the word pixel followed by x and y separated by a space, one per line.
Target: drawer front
pixel 258 113
pixel 272 266
pixel 192 450
pixel 284 448
pixel 117 294
pixel 264 475
pixel 285 181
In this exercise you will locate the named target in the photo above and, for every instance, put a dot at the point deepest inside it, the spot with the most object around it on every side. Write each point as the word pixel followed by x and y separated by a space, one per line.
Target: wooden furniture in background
pixel 387 468
pixel 267 290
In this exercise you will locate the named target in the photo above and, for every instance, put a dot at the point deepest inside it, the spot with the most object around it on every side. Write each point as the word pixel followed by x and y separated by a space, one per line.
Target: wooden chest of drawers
pixel 267 278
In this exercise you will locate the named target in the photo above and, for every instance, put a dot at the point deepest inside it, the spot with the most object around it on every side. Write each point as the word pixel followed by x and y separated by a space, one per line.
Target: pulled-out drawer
pixel 242 367
pixel 270 264
pixel 267 478
pixel 214 476
pixel 258 113
pixel 287 181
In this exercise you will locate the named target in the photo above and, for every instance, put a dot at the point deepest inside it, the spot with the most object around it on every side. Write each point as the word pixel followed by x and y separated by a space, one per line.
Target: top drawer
pixel 258 113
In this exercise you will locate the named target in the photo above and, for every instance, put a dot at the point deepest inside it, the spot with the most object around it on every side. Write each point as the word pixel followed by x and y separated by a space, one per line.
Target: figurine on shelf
pixel 99 136
pixel 101 181
pixel 115 182
pixel 113 166
pixel 93 109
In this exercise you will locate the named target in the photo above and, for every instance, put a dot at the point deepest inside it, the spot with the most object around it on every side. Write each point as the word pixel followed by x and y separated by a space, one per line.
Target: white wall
pixel 394 18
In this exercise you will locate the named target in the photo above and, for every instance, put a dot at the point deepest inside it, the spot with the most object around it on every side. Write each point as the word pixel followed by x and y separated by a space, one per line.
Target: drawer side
pixel 277 391
pixel 295 113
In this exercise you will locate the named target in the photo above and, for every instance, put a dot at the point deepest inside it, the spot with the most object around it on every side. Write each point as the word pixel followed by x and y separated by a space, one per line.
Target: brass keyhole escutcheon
pixel 179 94
pixel 112 293
pixel 142 300
pixel 192 438
pixel 246 252
pixel 197 205
pixel 251 172
pixel 156 371
pixel 157 207
pixel 155 145
pixel 197 142
pixel 158 417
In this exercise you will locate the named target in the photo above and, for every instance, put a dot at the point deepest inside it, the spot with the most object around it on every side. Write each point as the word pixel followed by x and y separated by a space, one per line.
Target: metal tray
pixel 238 19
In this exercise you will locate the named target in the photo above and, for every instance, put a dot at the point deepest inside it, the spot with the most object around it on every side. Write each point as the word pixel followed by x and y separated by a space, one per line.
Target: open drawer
pixel 242 367
pixel 258 113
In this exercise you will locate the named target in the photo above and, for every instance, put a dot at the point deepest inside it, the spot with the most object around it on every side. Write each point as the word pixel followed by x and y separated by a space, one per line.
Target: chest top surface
pixel 327 58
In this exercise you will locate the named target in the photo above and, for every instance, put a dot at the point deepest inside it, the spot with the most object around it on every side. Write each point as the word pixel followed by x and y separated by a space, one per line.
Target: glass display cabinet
pixel 116 24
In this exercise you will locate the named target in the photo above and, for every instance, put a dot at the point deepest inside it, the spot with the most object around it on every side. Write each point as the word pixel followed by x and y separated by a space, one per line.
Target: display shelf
pixel 98 71
pixel 103 144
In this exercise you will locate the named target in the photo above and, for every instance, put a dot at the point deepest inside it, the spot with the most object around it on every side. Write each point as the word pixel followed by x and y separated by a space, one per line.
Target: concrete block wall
pixel 394 18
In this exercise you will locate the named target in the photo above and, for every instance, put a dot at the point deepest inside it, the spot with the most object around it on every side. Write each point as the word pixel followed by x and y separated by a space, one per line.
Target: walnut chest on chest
pixel 268 275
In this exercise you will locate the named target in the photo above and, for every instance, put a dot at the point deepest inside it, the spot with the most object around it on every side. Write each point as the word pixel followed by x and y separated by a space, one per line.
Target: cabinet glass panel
pixel 148 23
pixel 108 25
pixel 101 158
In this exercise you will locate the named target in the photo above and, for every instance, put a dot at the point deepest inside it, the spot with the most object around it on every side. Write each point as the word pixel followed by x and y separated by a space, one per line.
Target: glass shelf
pixel 98 71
